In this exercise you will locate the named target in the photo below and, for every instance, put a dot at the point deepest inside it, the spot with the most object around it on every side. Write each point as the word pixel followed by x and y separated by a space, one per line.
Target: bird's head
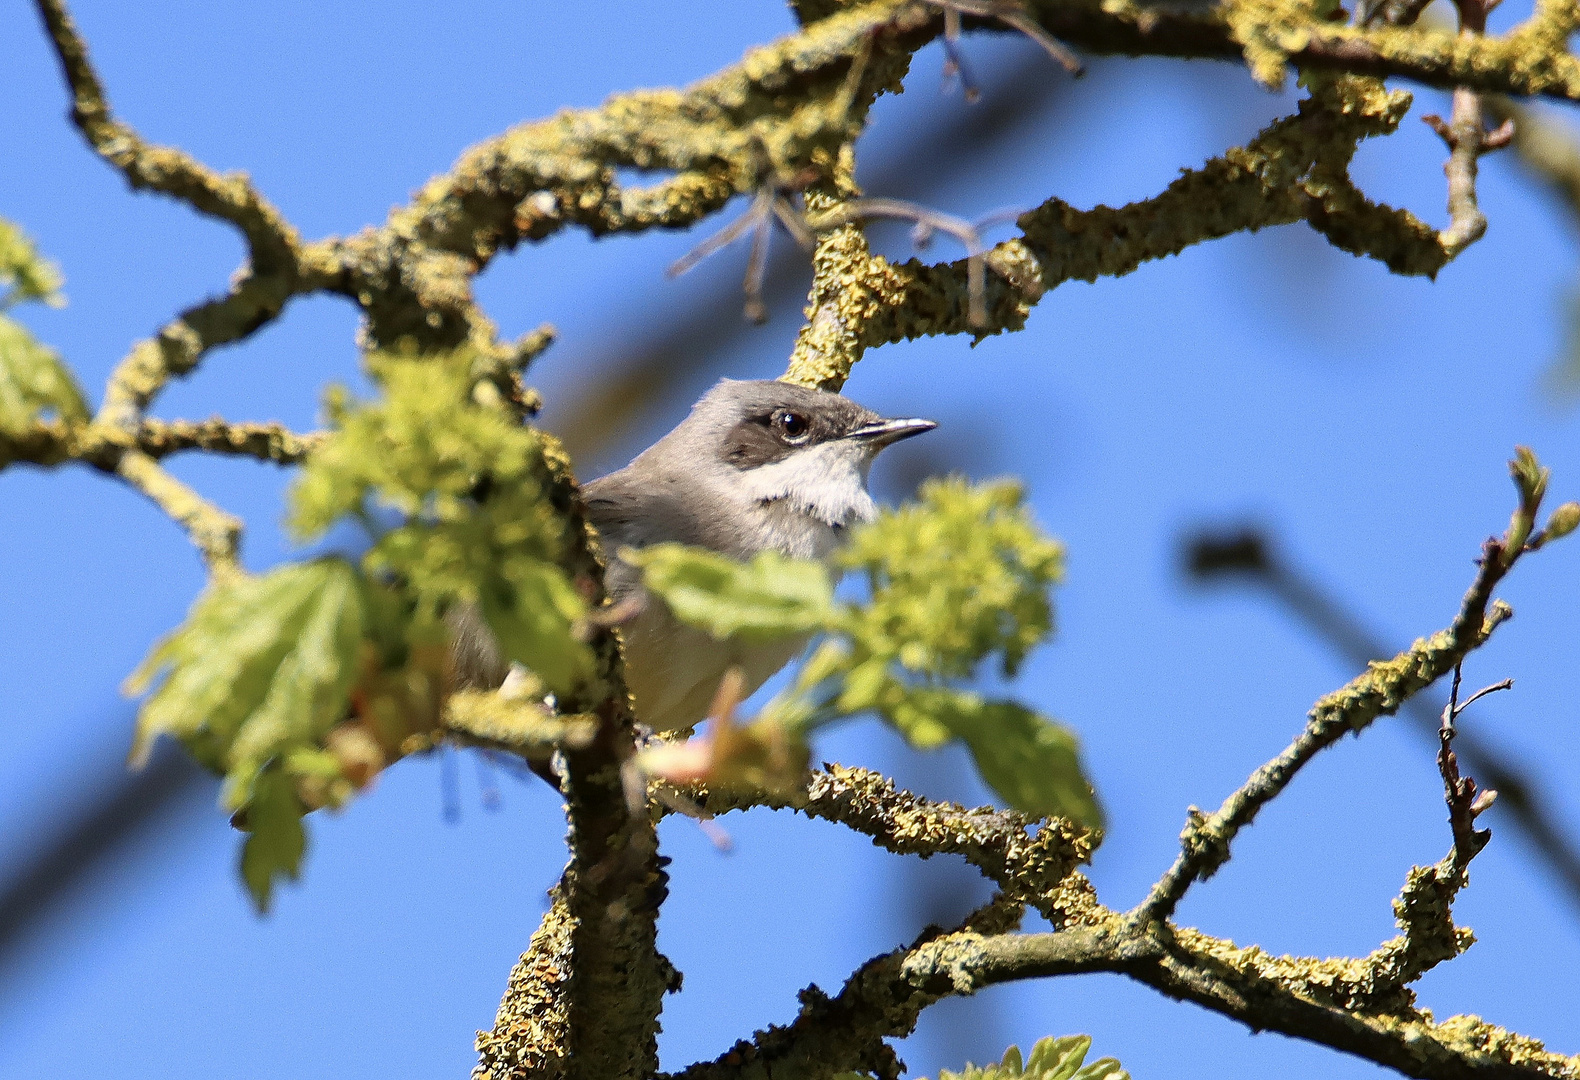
pixel 778 442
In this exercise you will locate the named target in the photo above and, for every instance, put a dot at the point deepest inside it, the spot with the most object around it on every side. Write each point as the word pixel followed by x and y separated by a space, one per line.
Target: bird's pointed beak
pixel 883 432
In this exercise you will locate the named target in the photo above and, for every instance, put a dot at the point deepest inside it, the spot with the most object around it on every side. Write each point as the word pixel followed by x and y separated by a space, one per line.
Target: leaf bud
pixel 1563 521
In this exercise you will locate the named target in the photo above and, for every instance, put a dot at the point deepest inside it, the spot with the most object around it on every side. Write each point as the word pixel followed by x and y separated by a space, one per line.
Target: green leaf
pixel 1029 761
pixel 261 664
pixel 770 597
pixel 1051 1059
pixel 532 617
pixel 24 273
pixel 276 840
pixel 33 380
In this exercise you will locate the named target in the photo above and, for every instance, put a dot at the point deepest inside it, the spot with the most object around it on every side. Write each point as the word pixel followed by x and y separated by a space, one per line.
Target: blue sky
pixel 1263 378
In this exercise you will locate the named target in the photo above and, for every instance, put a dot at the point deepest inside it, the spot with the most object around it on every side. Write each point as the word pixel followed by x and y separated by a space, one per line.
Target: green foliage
pixel 1030 761
pixel 961 574
pixel 425 449
pixel 1051 1059
pixel 300 685
pixel 277 841
pixel 769 597
pixel 33 380
pixel 956 580
pixel 252 683
pixel 24 273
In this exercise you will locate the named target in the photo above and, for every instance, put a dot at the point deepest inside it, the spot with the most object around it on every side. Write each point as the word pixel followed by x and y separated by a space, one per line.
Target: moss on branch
pixel 1029 860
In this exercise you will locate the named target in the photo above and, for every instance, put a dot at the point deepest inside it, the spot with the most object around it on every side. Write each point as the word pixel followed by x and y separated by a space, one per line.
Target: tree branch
pixel 54 442
pixel 1293 995
pixel 1295 169
pixel 605 1019
pixel 216 534
pixel 1380 690
pixel 253 300
pixel 271 239
pixel 1027 866
pixel 1253 555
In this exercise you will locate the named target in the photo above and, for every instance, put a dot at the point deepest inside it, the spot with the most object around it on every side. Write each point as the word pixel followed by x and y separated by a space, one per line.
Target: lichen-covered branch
pixel 1525 59
pixel 412 275
pixel 134 455
pixel 100 446
pixel 216 534
pixel 531 1032
pixel 1296 169
pixel 1380 690
pixel 882 999
pixel 253 300
pixel 1027 866
pixel 525 728
pixel 270 238
pixel 1317 1000
pixel 609 895
pixel 1255 558
pixel 278 267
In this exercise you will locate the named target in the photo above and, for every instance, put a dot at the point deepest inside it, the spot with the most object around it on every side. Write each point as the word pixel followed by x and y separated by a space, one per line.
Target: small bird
pixel 757 466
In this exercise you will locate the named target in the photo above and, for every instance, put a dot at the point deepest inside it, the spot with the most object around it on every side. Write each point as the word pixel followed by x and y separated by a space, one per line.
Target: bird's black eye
pixel 792 427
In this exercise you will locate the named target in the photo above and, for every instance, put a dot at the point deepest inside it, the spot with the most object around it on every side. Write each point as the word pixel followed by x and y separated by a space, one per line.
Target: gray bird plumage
pixel 756 466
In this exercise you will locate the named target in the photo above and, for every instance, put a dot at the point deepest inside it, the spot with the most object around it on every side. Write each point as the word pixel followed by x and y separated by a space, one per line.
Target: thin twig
pixel 725 236
pixel 100 446
pixel 1026 859
pixel 272 240
pixel 1467 139
pixel 215 533
pixel 1012 14
pixel 772 202
pixel 954 57
pixel 1460 792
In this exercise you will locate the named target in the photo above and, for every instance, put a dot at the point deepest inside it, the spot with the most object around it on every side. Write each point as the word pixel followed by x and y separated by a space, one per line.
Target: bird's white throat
pixel 827 483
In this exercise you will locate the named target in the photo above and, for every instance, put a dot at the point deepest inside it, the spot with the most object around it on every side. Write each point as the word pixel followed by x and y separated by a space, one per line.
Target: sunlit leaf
pixel 33 380
pixel 428 451
pixel 769 597
pixel 1029 761
pixel 532 614
pixel 276 839
pixel 24 273
pixel 260 663
pixel 1051 1059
